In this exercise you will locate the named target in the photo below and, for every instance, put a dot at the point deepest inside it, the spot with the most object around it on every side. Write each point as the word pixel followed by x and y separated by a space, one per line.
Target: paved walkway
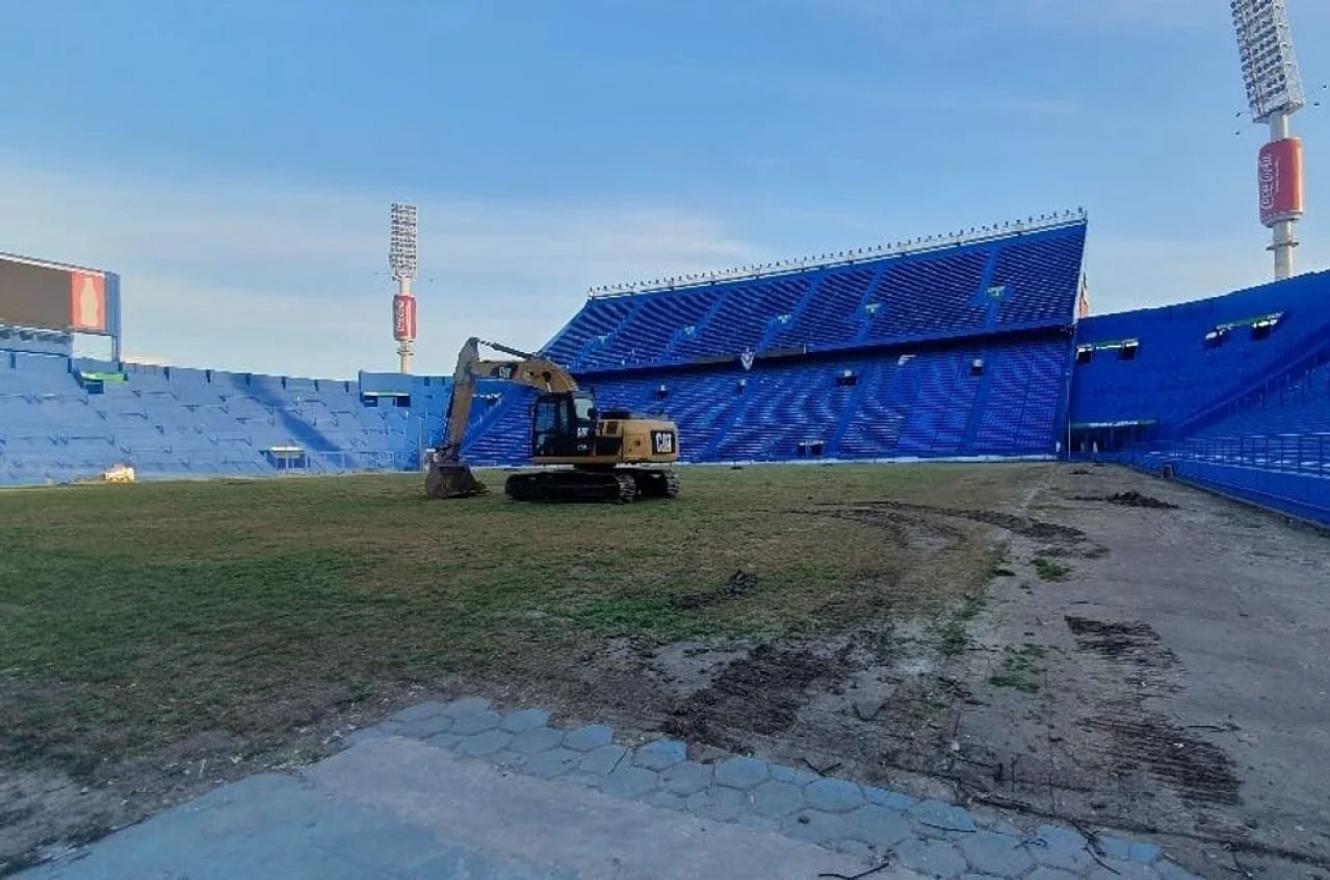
pixel 459 791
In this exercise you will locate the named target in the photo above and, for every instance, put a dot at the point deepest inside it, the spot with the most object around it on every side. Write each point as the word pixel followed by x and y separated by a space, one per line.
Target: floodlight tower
pixel 1274 93
pixel 402 262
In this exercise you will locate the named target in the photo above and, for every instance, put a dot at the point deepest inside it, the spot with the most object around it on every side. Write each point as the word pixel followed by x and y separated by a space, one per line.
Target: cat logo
pixel 662 442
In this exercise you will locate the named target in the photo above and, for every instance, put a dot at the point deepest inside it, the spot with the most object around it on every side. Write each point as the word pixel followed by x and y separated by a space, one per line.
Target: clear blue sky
pixel 234 161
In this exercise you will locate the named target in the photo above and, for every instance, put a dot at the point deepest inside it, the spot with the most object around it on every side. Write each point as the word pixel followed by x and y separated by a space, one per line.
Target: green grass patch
pixel 133 616
pixel 1050 570
pixel 1021 668
pixel 953 634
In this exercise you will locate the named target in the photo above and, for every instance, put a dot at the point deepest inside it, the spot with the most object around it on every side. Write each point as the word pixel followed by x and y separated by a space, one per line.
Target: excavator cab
pixel 563 425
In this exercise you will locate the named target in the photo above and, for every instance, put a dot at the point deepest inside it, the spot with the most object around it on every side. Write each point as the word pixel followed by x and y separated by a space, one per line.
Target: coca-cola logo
pixel 1267 177
pixel 404 317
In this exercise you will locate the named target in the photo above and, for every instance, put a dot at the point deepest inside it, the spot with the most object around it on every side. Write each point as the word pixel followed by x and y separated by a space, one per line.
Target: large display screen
pixel 52 297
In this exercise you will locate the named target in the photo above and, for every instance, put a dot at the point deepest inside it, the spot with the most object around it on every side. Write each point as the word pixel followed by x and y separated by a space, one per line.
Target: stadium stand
pixel 63 419
pixel 961 349
pixel 949 351
pixel 957 349
pixel 1228 392
pixel 904 404
pixel 1003 282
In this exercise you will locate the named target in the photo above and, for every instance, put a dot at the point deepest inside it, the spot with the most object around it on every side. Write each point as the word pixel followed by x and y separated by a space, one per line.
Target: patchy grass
pixel 1021 668
pixel 1050 570
pixel 135 616
pixel 952 633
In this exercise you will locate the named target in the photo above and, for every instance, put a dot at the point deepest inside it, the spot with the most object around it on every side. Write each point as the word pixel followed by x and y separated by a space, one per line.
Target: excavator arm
pixel 532 370
pixel 448 477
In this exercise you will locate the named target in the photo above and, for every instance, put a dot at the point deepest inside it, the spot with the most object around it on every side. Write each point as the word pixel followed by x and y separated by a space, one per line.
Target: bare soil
pixel 1106 699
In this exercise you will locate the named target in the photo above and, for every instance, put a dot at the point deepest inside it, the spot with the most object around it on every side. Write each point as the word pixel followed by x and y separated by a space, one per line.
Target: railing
pixel 1292 453
pixel 847 258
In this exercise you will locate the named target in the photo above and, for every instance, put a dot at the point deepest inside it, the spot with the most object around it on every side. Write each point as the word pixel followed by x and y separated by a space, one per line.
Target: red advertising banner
pixel 1279 175
pixel 404 317
pixel 87 301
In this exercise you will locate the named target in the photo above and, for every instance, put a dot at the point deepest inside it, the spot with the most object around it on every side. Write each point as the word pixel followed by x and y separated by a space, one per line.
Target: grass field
pixel 134 616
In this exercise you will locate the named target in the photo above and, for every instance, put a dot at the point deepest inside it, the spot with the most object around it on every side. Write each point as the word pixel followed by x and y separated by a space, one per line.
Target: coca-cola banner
pixel 404 317
pixel 1279 174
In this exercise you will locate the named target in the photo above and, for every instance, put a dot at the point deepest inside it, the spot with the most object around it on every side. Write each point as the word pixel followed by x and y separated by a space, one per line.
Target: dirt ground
pixel 1141 656
pixel 1148 658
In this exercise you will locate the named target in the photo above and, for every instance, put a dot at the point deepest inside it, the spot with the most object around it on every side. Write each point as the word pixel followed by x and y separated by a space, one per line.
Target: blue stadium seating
pixel 960 350
pixel 182 422
pixel 1018 281
pixel 1174 375
pixel 925 404
pixel 1231 393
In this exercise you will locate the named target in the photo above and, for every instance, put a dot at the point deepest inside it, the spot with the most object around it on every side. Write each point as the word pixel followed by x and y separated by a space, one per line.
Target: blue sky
pixel 234 161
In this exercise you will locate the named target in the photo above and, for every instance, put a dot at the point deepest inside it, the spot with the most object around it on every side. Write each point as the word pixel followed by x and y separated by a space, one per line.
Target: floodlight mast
pixel 402 262
pixel 1274 93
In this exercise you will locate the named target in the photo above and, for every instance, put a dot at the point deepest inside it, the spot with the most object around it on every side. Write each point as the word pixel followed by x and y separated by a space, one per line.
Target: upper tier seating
pixel 1192 358
pixel 1022 280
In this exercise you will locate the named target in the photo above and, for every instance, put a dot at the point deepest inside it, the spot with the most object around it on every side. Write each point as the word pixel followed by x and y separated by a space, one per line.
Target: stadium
pixel 963 579
pixel 836 360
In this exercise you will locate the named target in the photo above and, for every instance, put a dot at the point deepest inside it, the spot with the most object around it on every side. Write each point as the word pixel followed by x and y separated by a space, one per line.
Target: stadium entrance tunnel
pixel 1090 438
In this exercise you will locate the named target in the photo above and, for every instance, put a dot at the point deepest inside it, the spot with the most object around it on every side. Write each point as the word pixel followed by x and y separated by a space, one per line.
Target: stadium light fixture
pixel 402 235
pixel 1269 67
pixel 402 240
pixel 1273 83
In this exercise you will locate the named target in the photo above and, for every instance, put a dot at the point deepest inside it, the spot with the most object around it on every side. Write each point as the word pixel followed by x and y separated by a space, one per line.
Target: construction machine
pixel 605 455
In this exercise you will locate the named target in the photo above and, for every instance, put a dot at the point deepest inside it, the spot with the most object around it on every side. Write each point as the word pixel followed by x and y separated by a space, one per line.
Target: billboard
pixel 50 296
pixel 1279 177
pixel 404 317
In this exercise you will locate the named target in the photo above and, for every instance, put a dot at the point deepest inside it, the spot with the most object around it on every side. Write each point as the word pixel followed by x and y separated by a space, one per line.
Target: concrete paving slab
pixel 397 808
pixel 393 806
pixel 553 822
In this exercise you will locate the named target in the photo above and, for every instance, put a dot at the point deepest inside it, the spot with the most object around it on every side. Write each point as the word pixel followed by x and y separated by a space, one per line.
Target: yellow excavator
pixel 615 455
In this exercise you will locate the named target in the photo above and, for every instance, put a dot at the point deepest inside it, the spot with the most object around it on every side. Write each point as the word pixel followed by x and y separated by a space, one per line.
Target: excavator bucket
pixel 452 480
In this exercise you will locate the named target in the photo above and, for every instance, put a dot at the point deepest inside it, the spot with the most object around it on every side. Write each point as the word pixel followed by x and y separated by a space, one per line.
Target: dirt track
pixel 1148 657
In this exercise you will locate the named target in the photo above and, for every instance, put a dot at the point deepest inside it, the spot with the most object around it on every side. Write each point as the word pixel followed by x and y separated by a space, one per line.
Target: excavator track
pixel 556 486
pixel 654 483
pixel 621 485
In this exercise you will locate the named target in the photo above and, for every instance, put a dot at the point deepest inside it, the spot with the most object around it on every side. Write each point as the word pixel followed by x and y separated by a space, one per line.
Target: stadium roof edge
pixel 1201 301
pixel 49 264
pixel 1010 229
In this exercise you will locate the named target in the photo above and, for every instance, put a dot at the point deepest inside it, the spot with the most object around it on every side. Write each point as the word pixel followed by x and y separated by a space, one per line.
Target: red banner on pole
pixel 404 317
pixel 1279 174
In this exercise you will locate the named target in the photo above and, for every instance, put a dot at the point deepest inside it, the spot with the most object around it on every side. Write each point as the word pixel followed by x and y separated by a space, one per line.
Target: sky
pixel 234 161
